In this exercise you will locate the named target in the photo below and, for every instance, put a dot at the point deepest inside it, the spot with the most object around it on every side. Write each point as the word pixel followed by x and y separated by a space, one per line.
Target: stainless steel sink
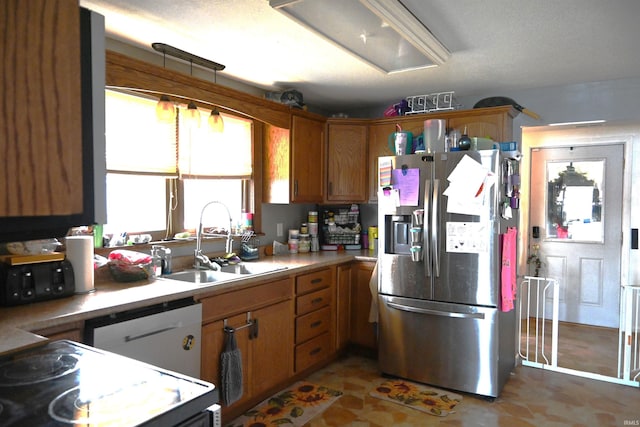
pixel 228 272
pixel 252 268
pixel 201 276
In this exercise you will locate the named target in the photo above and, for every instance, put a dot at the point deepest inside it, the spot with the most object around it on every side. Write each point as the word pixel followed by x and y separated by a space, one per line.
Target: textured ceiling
pixel 496 45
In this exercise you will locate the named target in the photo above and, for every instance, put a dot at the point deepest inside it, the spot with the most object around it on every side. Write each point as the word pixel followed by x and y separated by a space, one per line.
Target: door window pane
pixel 574 200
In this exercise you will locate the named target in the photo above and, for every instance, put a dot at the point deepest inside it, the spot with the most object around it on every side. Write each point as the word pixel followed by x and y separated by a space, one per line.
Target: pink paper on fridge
pixel 508 276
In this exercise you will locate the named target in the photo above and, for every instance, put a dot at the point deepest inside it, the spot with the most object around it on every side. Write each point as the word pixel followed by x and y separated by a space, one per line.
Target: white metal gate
pixel 535 350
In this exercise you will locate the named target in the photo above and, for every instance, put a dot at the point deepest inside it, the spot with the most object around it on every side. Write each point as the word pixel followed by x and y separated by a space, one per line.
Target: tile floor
pixel 531 397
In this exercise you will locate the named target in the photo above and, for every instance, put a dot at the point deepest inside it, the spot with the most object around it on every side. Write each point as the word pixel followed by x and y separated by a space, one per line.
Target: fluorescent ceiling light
pixel 383 33
pixel 585 122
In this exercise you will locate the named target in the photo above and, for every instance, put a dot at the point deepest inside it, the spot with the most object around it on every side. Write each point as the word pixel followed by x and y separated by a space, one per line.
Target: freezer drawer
pixel 452 346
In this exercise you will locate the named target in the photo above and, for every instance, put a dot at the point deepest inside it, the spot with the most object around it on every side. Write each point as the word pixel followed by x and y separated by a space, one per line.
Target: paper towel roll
pixel 80 255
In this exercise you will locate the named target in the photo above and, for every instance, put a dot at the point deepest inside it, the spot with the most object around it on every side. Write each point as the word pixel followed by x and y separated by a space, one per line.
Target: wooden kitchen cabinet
pixel 307 159
pixel 347 161
pixel 293 161
pixel 363 332
pixel 71 331
pixel 267 357
pixel 485 123
pixel 315 328
pixel 42 137
pixel 343 306
pixel 495 123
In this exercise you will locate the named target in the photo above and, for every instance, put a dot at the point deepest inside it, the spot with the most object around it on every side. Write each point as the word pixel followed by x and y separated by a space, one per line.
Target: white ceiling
pixel 497 46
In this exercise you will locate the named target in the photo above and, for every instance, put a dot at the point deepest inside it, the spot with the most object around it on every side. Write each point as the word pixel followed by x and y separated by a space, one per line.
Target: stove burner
pixel 133 403
pixel 36 369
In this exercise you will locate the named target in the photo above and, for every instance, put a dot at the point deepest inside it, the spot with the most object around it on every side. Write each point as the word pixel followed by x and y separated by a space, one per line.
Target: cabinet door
pixel 213 342
pixel 272 350
pixel 362 331
pixel 497 126
pixel 343 308
pixel 307 160
pixel 346 163
pixel 40 121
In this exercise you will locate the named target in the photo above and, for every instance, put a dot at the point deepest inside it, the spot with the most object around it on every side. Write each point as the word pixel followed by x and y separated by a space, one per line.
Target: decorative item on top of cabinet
pixel 314 339
pixel 265 346
pixel 363 333
pixel 293 161
pixel 346 161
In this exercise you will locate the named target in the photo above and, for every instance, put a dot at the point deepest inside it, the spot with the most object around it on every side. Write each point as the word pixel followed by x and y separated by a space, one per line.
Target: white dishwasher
pixel 165 335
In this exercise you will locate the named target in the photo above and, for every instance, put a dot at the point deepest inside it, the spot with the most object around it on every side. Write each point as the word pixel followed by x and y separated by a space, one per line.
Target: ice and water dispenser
pixel 404 234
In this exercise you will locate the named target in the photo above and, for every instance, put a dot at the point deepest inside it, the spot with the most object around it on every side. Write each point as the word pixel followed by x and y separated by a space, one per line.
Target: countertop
pixel 17 323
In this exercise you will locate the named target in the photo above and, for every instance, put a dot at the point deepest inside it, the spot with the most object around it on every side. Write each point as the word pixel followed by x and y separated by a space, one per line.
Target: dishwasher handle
pixel 436 312
pixel 129 338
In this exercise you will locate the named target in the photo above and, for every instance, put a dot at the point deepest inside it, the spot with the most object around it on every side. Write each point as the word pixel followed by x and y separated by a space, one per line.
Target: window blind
pixel 204 153
pixel 136 141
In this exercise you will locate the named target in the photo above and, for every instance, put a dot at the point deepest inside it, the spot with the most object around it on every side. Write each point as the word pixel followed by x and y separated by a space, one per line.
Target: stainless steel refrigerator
pixel 440 220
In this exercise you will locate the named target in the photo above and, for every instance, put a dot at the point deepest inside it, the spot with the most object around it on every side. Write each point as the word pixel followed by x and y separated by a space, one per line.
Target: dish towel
pixel 508 276
pixel 231 369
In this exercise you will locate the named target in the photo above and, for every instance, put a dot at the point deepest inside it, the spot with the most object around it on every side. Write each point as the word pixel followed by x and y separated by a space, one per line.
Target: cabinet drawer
pixel 313 351
pixel 311 281
pixel 312 324
pixel 313 301
pixel 225 305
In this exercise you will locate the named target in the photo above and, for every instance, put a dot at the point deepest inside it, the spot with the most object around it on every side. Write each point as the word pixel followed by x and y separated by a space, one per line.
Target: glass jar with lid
pixel 305 243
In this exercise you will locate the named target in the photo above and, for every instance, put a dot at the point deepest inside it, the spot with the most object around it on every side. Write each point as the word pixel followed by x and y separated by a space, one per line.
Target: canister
pixel 313 228
pixel 294 245
pixel 305 243
pixel 313 217
pixel 373 233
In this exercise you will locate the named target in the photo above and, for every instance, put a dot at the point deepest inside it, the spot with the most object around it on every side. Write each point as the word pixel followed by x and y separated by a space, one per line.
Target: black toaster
pixel 27 283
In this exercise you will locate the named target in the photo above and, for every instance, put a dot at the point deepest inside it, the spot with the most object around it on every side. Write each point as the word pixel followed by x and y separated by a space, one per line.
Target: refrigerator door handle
pixel 435 223
pixel 435 312
pixel 425 234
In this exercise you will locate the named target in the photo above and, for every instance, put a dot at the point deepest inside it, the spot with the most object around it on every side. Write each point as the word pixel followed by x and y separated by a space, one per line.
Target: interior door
pixel 576 212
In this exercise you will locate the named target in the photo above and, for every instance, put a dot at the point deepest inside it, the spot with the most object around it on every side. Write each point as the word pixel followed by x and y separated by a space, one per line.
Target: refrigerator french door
pixel 439 267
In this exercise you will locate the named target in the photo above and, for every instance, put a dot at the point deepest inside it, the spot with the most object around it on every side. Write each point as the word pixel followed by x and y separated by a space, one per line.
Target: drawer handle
pixel 315 351
pixel 316 324
pixel 316 300
pixel 318 280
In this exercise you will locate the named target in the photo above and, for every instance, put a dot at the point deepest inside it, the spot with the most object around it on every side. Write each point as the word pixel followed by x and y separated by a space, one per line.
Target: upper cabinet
pixel 347 161
pixel 495 123
pixel 293 161
pixel 46 132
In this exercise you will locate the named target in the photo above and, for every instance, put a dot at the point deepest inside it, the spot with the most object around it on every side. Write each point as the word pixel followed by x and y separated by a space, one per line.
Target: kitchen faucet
pixel 201 260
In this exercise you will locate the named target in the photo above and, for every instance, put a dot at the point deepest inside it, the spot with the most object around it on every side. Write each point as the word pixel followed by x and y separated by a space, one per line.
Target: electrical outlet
pixel 279 229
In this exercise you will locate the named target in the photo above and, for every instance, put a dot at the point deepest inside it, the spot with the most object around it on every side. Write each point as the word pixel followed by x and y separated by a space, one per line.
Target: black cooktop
pixel 65 383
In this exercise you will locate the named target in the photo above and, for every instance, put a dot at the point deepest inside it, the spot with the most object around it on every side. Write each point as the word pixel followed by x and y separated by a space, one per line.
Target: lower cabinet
pixel 363 333
pixel 343 306
pixel 315 330
pixel 72 331
pixel 265 346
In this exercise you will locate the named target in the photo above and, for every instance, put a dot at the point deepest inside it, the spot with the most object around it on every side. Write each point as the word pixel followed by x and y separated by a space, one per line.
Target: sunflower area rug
pixel 417 396
pixel 293 407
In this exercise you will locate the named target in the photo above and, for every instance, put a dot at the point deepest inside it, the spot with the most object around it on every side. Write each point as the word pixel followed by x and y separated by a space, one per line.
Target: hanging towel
pixel 508 275
pixel 231 369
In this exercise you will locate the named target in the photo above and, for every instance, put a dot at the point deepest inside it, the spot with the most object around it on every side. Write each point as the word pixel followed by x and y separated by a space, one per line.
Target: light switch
pixel 279 229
